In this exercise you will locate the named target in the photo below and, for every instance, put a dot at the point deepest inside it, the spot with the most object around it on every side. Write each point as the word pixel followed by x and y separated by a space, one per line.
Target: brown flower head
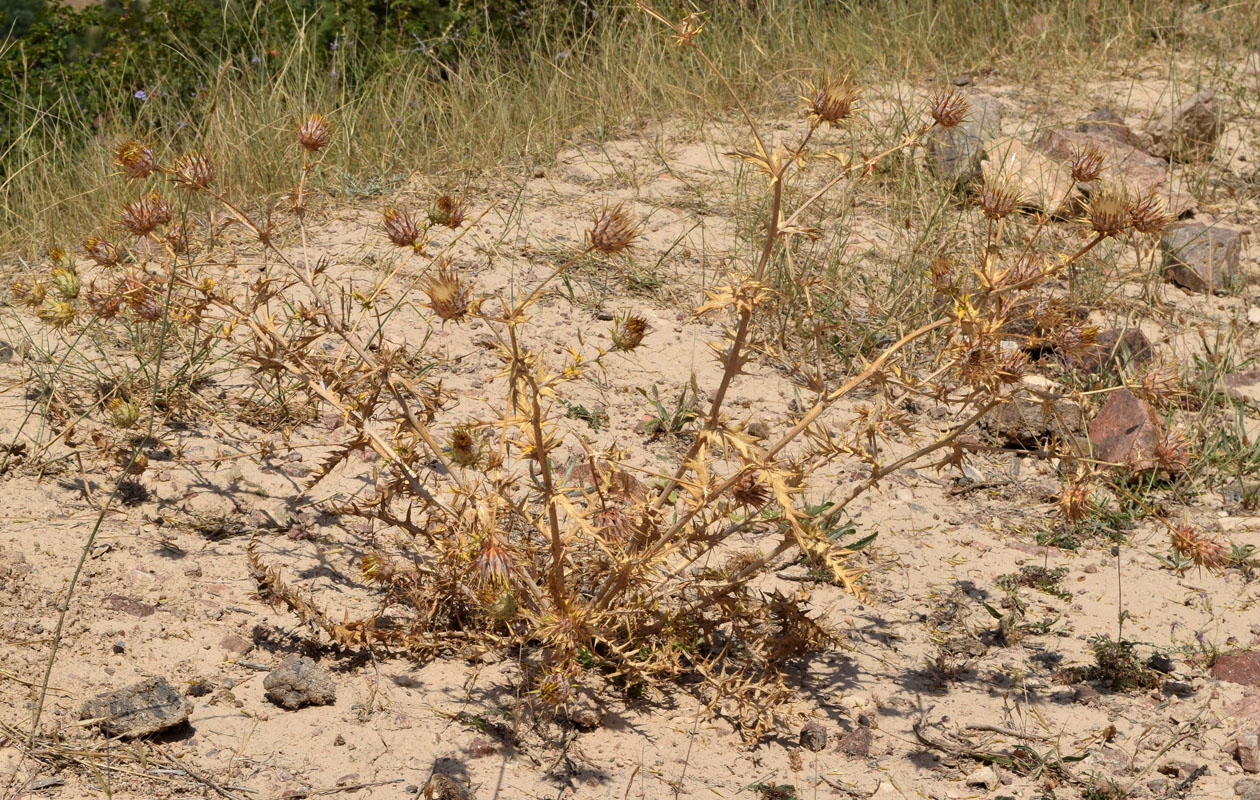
pixel 448 211
pixel 628 332
pixel 103 303
pixel 1075 503
pixel 313 133
pixel 176 238
pixel 103 252
pixel 831 102
pixel 612 230
pixel 377 567
pixel 493 561
pixel 464 448
pixel 66 283
pixel 401 228
pixel 1108 210
pixel 1172 452
pixel 133 290
pixel 193 171
pixel 949 108
pixel 146 214
pixel 1012 366
pixel 750 490
pixel 148 310
pixel 449 297
pixel 1204 550
pixel 1148 214
pixel 28 292
pixel 941 271
pixel 1086 164
pixel 997 198
pixel 1160 385
pixel 136 159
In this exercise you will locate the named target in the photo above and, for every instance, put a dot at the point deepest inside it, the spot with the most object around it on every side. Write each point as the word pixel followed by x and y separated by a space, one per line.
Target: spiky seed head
pixel 66 283
pixel 313 133
pixel 554 689
pixel 377 567
pixel 150 309
pixel 949 108
pixel 628 332
pixel 465 450
pixel 493 561
pixel 613 522
pixel 57 313
pixel 448 211
pixel 449 297
pixel 1086 164
pixel 401 227
pixel 1148 214
pixel 123 413
pixel 997 198
pixel 1160 385
pixel 1012 366
pixel 143 216
pixel 750 490
pixel 502 605
pixel 612 231
pixel 1108 210
pixel 105 253
pixel 1172 453
pixel 941 271
pixel 1201 548
pixel 28 292
pixel 1075 503
pixel 193 171
pixel 136 159
pixel 58 255
pixel 176 238
pixel 832 101
pixel 103 303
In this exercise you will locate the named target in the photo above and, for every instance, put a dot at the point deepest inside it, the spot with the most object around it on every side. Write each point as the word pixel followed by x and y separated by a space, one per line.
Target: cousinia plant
pixel 495 544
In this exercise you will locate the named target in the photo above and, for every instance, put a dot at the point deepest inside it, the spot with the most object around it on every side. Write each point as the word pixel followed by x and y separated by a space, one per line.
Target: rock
pixel 1243 668
pixel 298 682
pixel 963 79
pixel 986 777
pixel 235 644
pixel 1243 386
pixel 1200 257
pixel 445 787
pixel 147 707
pixel 586 713
pixel 1033 419
pixel 129 605
pixel 1246 749
pixel 1140 172
pixel 1112 350
pixel 1107 123
pixel 814 736
pixel 1160 663
pixel 1126 432
pixel 758 430
pixel 954 154
pixel 856 743
pixel 1188 131
pixel 1085 695
pixel 1039 181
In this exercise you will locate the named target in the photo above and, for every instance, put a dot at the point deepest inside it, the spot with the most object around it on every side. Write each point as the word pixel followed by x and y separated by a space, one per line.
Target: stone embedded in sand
pixel 1034 419
pixel 298 682
pixel 445 787
pixel 954 154
pixel 986 777
pixel 1243 668
pixel 1039 181
pixel 856 743
pixel 1246 748
pixel 1113 350
pixel 1200 257
pixel 1188 131
pixel 814 736
pixel 1244 386
pixel 129 605
pixel 1140 172
pixel 1106 122
pixel 140 710
pixel 1126 432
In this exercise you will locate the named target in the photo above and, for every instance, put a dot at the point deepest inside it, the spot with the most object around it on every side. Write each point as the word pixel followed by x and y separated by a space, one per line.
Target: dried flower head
pixel 832 101
pixel 58 255
pixel 1148 214
pixel 1172 452
pixel 149 309
pixel 1160 385
pixel 464 449
pixel 449 297
pixel 377 567
pixel 136 159
pixel 949 108
pixel 612 230
pixel 628 332
pixel 57 313
pixel 102 251
pixel 193 171
pixel 750 490
pixel 1108 210
pixel 176 238
pixel 401 228
pixel 555 688
pixel 493 561
pixel 1201 548
pixel 1012 366
pixel 146 214
pixel 998 198
pixel 123 413
pixel 448 211
pixel 28 292
pixel 313 133
pixel 1086 164
pixel 66 283
pixel 1075 503
pixel 133 290
pixel 103 303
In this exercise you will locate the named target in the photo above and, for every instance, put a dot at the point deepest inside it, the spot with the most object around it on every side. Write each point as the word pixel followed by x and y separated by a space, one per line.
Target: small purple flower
pixel 141 94
pixel 254 60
